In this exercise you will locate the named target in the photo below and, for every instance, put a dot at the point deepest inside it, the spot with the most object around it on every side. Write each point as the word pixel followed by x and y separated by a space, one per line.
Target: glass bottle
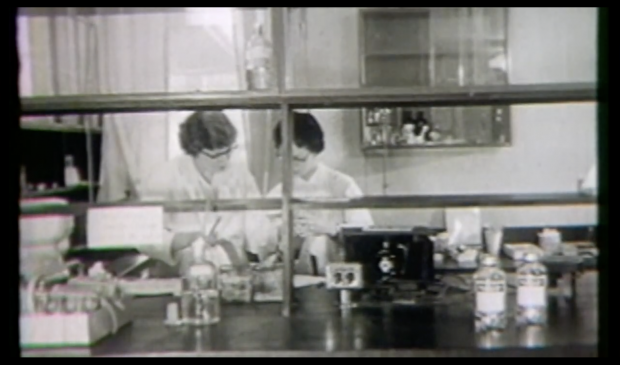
pixel 258 60
pixel 490 290
pixel 531 291
pixel 72 175
pixel 200 296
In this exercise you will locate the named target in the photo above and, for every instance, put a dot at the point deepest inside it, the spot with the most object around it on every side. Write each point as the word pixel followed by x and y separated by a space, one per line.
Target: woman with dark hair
pixel 204 172
pixel 316 231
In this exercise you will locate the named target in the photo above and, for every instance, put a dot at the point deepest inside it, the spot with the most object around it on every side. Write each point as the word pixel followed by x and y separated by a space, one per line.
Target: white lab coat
pixel 325 183
pixel 179 180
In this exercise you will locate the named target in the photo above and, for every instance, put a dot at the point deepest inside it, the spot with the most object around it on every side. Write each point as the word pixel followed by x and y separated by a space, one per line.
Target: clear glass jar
pixel 200 296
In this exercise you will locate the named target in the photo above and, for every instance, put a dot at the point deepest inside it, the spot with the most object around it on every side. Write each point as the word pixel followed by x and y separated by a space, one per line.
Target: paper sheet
pixel 468 219
pixel 125 227
pixel 300 281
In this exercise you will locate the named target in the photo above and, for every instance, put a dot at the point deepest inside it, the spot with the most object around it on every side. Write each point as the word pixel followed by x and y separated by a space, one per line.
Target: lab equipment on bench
pixel 490 290
pixel 532 284
pixel 380 261
pixel 200 296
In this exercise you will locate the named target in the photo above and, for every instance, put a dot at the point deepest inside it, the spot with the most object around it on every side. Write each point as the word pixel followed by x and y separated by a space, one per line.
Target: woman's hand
pixel 183 240
pixel 270 261
pixel 210 239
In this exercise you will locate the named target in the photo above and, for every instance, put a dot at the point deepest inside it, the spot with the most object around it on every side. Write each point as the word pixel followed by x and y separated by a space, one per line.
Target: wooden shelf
pixel 58 191
pixel 441 96
pixel 54 127
pixel 319 99
pixel 371 202
pixel 454 54
pixel 379 149
pixel 148 102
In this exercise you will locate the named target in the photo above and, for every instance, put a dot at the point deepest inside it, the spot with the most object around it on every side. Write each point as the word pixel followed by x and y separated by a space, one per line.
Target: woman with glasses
pixel 205 173
pixel 316 231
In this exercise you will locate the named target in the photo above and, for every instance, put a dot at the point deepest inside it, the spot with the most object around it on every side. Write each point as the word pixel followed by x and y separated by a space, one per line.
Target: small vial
pixel 172 313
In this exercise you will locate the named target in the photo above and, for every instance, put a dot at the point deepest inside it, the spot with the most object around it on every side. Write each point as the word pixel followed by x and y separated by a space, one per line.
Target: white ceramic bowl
pixel 36 230
pixel 44 229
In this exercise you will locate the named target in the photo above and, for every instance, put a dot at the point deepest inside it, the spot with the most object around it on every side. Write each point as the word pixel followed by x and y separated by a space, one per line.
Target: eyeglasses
pixel 218 154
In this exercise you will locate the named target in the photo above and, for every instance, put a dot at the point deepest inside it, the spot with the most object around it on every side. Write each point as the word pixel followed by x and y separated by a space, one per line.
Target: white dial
pixel 386 265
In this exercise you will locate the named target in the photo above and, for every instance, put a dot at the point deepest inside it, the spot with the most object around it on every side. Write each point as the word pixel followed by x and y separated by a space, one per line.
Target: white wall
pixel 553 145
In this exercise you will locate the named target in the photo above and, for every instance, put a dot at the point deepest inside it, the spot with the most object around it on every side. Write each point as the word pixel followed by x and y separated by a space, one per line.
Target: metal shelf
pixel 320 99
pixel 438 96
pixel 370 202
pixel 152 102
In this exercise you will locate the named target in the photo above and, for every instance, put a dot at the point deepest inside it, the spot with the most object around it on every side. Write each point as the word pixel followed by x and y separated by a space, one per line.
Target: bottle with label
pixel 490 290
pixel 531 291
pixel 258 60
pixel 72 175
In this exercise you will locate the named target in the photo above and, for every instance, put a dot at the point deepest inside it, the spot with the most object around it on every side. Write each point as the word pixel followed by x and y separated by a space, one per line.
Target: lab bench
pixel 318 327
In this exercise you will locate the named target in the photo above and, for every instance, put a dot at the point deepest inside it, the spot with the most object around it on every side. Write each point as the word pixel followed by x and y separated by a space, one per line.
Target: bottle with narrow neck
pixel 200 297
pixel 258 60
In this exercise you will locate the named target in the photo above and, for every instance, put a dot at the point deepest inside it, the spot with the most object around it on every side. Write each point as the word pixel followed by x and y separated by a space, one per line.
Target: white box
pixel 125 227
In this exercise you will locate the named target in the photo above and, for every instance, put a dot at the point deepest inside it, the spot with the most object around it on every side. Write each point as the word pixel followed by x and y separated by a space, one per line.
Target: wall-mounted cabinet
pixel 434 47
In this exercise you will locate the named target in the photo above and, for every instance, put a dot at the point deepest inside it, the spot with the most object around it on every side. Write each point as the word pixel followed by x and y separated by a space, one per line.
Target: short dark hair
pixel 206 130
pixel 307 133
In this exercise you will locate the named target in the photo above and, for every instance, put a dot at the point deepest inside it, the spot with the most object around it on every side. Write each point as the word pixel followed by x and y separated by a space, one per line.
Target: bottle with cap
pixel 200 295
pixel 531 291
pixel 490 291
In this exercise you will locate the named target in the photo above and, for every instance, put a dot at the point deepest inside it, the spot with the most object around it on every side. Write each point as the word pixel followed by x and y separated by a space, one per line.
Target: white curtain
pixel 129 51
pixel 205 55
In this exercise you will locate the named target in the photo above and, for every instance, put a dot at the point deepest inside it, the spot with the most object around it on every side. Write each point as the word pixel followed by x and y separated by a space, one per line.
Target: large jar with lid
pixel 200 294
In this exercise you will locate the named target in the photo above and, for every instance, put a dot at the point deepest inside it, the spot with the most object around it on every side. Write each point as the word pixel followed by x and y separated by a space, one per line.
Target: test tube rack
pixel 76 328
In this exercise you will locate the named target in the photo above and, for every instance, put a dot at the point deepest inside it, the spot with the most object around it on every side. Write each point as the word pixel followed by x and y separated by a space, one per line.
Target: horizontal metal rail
pixel 443 97
pixel 333 98
pixel 151 102
pixel 370 202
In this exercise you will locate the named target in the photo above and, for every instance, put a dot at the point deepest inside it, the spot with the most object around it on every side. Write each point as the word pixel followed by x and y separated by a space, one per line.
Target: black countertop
pixel 319 328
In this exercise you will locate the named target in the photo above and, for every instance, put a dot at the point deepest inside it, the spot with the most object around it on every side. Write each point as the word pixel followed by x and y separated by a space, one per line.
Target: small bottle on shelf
pixel 72 175
pixel 258 60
